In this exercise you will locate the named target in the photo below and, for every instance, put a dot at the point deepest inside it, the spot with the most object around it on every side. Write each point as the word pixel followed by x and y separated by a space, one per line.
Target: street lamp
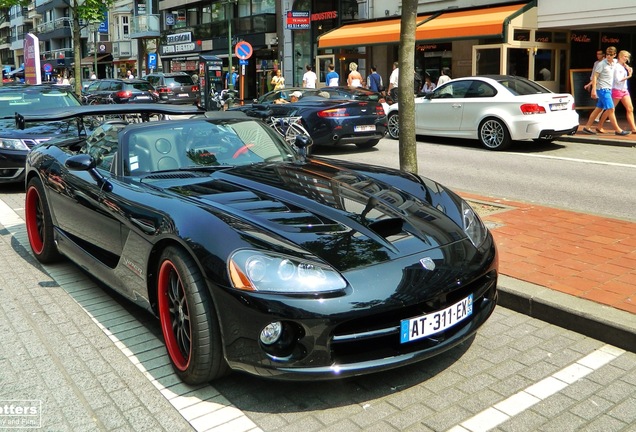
pixel 94 26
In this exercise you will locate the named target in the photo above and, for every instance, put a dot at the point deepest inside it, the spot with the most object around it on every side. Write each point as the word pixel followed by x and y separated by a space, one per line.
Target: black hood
pixel 346 217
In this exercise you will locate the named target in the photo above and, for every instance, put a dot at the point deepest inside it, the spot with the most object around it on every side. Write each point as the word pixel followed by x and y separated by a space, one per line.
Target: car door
pixel 440 113
pixel 79 207
pixel 478 101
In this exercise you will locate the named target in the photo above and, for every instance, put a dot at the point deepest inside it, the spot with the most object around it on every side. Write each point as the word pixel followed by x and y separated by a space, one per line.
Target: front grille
pixel 30 143
pixel 366 339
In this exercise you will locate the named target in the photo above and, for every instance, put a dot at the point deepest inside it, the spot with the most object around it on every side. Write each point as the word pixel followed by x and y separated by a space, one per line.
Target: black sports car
pixel 15 144
pixel 330 118
pixel 255 257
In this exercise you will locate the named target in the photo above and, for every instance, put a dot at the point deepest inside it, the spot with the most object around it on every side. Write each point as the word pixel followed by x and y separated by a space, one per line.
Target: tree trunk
pixel 77 50
pixel 406 90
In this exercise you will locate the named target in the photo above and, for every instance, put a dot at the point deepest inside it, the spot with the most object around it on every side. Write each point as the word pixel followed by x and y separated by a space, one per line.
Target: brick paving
pixel 587 256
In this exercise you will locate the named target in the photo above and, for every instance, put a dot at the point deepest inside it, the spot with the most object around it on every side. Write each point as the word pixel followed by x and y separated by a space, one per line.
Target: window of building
pixel 124 28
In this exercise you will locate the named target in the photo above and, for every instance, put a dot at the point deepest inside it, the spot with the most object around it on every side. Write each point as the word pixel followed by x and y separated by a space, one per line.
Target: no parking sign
pixel 243 50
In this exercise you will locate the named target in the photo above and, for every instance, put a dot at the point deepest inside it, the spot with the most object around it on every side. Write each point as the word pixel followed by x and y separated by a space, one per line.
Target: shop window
pixel 192 17
pixel 264 7
pixel 488 61
pixel 522 35
pixel 206 15
pixel 542 36
pixel 518 62
pixel 544 65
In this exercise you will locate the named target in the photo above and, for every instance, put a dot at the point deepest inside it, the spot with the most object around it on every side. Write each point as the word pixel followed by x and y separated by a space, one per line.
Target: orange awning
pixel 363 34
pixel 447 25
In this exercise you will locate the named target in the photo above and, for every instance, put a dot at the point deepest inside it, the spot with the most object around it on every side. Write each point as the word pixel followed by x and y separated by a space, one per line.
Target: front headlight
pixel 252 270
pixel 472 225
pixel 12 144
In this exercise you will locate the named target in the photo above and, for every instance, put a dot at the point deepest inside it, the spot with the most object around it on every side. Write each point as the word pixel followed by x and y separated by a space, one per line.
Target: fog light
pixel 271 333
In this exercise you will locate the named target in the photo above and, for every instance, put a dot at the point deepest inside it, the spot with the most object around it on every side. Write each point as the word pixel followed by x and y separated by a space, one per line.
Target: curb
pixel 598 140
pixel 604 323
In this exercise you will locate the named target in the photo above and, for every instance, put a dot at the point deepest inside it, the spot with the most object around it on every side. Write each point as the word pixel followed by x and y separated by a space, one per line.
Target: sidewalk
pixel 571 269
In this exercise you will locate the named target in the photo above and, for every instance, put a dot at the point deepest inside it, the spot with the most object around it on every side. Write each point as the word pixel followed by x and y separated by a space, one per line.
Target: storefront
pixel 591 26
pixel 481 40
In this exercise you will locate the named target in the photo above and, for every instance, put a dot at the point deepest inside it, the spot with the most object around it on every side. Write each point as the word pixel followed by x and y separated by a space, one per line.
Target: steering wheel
pixel 242 151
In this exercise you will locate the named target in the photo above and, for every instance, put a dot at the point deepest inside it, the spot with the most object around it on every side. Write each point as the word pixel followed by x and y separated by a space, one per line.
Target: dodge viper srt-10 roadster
pixel 254 256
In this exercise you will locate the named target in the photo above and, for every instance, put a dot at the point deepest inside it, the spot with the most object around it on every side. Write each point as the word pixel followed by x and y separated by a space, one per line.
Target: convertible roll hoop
pixel 79 112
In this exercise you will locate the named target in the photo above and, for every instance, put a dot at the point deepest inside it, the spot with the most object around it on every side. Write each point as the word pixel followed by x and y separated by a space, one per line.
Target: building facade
pixel 523 37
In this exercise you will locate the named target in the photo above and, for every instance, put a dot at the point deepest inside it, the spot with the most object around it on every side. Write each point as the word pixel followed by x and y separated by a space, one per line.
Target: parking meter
pixel 210 78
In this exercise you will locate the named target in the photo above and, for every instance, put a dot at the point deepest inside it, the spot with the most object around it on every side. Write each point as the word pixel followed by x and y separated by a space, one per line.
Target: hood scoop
pixel 387 227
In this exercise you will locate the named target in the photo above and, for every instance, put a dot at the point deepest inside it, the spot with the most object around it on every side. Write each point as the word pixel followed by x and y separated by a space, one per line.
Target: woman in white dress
pixel 354 79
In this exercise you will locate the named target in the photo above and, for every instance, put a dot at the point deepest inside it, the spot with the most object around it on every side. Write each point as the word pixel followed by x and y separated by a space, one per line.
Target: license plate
pixel 364 128
pixel 143 97
pixel 558 107
pixel 426 325
pixel 183 95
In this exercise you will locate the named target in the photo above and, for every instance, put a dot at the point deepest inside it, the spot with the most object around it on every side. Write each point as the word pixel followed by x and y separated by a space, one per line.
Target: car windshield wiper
pixel 204 168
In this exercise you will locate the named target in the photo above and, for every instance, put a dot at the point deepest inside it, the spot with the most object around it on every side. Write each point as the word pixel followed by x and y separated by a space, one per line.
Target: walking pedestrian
pixel 309 78
pixel 354 79
pixel 374 80
pixel 620 92
pixel 332 77
pixel 599 57
pixel 230 78
pixel 393 81
pixel 602 82
pixel 278 81
pixel 444 77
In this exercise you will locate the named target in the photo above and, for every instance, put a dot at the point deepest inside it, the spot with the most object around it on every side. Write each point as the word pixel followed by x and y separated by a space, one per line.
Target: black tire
pixel 394 125
pixel 39 224
pixel 493 134
pixel 368 144
pixel 188 320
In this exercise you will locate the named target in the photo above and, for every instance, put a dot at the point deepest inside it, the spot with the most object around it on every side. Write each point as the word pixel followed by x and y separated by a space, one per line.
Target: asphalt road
pixel 594 179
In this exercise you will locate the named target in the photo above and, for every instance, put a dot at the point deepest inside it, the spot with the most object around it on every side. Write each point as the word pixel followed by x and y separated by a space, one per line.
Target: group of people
pixel 608 85
pixel 373 82
pixel 427 87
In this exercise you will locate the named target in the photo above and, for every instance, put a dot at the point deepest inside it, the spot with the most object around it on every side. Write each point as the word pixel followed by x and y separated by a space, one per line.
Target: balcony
pixel 123 49
pixel 145 27
pixel 57 29
pixel 264 23
pixel 59 57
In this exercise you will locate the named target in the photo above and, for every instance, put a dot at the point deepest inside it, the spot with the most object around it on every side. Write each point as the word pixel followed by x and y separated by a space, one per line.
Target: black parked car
pixel 14 143
pixel 120 91
pixel 175 87
pixel 329 118
pixel 257 258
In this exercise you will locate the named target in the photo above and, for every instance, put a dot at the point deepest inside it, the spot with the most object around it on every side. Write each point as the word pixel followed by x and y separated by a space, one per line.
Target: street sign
pixel 243 62
pixel 243 50
pixel 152 61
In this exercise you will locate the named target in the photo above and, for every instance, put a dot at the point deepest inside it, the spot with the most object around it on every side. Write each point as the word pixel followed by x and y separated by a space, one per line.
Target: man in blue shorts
pixel 602 80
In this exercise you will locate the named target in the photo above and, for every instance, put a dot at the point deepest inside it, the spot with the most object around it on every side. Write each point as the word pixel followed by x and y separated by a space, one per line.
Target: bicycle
pixel 287 126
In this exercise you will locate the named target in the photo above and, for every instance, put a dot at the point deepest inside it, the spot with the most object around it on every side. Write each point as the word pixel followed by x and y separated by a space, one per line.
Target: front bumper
pixel 357 332
pixel 12 166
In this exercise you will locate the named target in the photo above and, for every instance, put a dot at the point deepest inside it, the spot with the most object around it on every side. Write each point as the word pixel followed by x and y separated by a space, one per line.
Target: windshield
pixel 26 99
pixel 194 144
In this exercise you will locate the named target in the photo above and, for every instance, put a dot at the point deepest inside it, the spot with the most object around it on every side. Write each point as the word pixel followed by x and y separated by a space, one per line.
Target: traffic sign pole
pixel 243 51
